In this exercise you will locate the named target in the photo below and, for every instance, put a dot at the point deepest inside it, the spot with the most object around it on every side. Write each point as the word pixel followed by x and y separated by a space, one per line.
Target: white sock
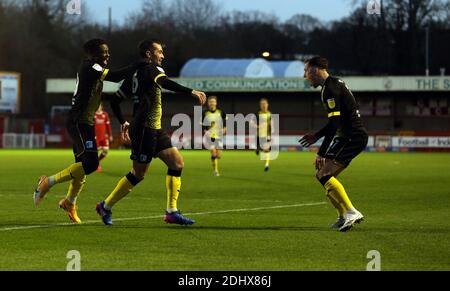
pixel 172 210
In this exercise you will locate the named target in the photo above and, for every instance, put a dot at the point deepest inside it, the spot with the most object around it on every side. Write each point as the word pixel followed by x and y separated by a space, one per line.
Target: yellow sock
pixel 74 171
pixel 173 185
pixel 216 165
pixel 75 188
pixel 337 191
pixel 266 158
pixel 122 189
pixel 340 210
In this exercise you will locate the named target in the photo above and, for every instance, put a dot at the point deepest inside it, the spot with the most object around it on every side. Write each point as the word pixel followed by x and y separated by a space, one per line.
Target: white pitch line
pixel 160 216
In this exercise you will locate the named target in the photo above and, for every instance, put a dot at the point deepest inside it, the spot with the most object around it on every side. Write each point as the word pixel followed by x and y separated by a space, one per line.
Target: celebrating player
pixel 214 128
pixel 344 131
pixel 80 124
pixel 264 124
pixel 148 140
pixel 103 133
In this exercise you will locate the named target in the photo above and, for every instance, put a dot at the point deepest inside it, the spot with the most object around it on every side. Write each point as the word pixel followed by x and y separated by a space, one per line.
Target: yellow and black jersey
pixel 214 122
pixel 149 91
pixel 341 106
pixel 147 85
pixel 89 86
pixel 264 121
pixel 88 92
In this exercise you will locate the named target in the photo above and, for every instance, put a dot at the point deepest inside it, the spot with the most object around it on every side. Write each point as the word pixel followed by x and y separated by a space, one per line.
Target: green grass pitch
pixel 246 219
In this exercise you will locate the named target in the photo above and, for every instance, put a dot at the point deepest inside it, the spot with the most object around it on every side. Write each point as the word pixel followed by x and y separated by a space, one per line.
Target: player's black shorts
pixel 344 149
pixel 147 143
pixel 83 137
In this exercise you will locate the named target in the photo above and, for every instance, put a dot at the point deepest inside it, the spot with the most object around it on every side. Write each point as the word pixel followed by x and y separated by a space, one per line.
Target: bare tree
pixel 196 14
pixel 304 22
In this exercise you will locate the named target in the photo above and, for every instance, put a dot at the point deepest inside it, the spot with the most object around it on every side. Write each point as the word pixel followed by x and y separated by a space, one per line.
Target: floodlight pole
pixel 427 50
pixel 109 21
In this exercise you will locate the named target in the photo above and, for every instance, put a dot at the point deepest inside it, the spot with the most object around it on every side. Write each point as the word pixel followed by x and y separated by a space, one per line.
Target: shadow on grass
pixel 223 228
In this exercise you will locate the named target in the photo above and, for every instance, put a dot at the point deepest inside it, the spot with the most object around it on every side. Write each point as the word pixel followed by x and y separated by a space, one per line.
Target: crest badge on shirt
pixel 331 103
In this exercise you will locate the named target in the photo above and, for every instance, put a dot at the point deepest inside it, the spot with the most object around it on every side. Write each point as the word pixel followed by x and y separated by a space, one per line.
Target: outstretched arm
pixel 119 75
pixel 168 84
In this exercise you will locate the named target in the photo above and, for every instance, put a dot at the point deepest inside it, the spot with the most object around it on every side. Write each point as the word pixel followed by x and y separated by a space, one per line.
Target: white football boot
pixel 351 217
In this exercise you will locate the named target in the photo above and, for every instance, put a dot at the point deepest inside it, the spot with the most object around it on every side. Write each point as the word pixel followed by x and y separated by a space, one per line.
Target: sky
pixel 325 10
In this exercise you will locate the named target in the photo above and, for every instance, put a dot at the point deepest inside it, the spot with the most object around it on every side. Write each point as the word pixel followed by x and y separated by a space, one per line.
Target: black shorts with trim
pixel 147 143
pixel 344 149
pixel 83 137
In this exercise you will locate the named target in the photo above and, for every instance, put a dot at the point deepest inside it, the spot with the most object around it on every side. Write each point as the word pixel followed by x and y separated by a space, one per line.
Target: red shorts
pixel 103 143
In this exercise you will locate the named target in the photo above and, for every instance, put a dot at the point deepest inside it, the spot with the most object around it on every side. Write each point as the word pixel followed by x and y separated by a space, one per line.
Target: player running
pixel 148 140
pixel 344 131
pixel 214 128
pixel 264 125
pixel 80 124
pixel 103 133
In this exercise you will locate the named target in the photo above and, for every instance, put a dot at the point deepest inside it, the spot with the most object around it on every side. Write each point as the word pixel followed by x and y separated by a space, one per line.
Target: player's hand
pixel 111 138
pixel 319 162
pixel 124 135
pixel 201 96
pixel 307 140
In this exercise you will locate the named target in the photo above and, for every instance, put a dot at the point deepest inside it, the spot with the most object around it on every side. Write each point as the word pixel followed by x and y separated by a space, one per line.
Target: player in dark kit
pixel 344 131
pixel 148 140
pixel 80 124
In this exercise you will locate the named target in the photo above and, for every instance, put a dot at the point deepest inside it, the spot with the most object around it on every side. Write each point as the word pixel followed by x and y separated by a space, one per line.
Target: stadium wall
pixel 395 106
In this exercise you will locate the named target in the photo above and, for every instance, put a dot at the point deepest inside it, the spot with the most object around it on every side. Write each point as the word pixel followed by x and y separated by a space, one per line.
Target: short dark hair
pixel 147 45
pixel 91 47
pixel 212 97
pixel 319 62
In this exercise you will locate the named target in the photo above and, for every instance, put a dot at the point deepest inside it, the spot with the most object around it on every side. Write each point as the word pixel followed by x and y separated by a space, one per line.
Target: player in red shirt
pixel 103 133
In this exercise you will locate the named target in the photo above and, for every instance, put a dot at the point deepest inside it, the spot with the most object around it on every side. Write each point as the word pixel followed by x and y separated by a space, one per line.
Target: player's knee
pixel 90 163
pixel 318 175
pixel 322 173
pixel 105 152
pixel 179 164
pixel 138 173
